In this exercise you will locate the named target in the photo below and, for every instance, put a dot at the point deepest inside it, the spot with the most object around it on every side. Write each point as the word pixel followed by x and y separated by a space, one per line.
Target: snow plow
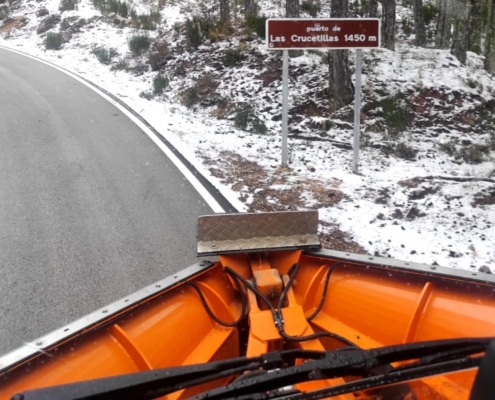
pixel 274 316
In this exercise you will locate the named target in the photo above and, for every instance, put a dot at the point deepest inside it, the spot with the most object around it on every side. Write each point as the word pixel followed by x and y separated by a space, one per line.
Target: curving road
pixel 90 208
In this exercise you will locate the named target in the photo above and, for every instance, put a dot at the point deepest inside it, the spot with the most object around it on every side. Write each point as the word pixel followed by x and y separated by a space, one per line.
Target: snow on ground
pixel 423 208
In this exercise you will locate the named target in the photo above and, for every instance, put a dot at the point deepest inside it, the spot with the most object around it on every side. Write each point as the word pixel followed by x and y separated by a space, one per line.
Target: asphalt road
pixel 90 208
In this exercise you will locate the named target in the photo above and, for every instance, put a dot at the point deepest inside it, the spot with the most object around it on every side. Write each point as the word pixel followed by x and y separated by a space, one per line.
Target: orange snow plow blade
pixel 271 289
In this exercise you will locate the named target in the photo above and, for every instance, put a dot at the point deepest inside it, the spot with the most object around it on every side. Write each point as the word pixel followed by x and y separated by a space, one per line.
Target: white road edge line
pixel 215 206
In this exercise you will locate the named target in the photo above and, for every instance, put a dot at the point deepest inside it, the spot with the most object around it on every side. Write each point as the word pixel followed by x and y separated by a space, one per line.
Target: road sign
pixel 332 33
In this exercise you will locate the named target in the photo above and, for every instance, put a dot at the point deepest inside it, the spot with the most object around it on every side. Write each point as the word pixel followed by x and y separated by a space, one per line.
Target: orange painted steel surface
pixel 371 306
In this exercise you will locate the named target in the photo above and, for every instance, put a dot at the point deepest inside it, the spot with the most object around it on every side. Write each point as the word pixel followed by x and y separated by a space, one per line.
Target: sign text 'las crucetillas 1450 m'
pixel 356 33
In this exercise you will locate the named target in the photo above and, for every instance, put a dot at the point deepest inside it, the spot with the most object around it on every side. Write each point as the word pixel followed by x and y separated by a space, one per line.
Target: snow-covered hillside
pixel 426 192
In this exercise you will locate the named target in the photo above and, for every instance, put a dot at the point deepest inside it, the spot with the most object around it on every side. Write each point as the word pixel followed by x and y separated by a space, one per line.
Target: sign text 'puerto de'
pixel 323 33
pixel 319 34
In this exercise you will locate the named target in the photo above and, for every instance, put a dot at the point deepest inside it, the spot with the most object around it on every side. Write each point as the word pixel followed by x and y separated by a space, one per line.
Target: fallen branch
pixel 335 143
pixel 456 179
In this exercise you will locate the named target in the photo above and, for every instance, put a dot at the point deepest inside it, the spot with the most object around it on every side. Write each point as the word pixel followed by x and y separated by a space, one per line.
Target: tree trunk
pixel 292 11
pixel 444 25
pixel 475 25
pixel 388 24
pixel 419 23
pixel 373 9
pixel 249 8
pixel 340 84
pixel 490 38
pixel 292 8
pixel 340 89
pixel 224 12
pixel 459 39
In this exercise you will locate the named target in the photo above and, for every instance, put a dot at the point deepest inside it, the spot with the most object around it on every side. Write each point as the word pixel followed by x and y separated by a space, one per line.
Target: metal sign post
pixel 285 105
pixel 357 111
pixel 301 33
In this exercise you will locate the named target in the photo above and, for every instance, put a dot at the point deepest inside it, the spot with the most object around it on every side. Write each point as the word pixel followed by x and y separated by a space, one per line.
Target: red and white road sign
pixel 332 33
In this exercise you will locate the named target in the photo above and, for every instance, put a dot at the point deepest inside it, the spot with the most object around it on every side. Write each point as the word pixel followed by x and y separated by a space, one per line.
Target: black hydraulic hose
pixel 294 268
pixel 213 316
pixel 277 314
pixel 237 277
pixel 325 288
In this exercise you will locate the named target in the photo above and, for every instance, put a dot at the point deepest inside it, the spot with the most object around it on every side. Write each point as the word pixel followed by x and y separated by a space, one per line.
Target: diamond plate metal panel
pixel 257 231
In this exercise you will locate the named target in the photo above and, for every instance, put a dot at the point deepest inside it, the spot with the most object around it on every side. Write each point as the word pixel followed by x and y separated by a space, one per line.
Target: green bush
pixel 258 24
pixel 53 41
pixel 112 6
pixel 474 154
pixel 99 5
pixel 233 57
pixel 404 151
pixel 160 82
pixel 430 11
pixel 104 55
pixel 194 35
pixel 155 16
pixel 245 117
pixel 396 114
pixel 177 27
pixel 123 9
pixel 449 148
pixel 312 9
pixel 180 70
pixel 407 27
pixel 190 97
pixel 139 43
pixel 122 64
pixel 145 21
pixel 206 84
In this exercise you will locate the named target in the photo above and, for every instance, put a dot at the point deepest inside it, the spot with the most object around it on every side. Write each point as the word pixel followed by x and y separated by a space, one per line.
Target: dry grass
pixel 253 182
pixel 10 25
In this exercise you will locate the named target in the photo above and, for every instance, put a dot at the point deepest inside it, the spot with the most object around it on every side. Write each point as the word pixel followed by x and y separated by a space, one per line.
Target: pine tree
pixel 292 11
pixel 340 84
pixel 475 25
pixel 489 11
pixel 224 12
pixel 292 8
pixel 373 9
pixel 459 38
pixel 249 8
pixel 444 24
pixel 419 23
pixel 388 24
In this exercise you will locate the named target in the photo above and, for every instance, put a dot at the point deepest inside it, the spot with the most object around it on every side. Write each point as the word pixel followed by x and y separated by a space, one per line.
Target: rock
pixel 485 269
pixel 72 24
pixel 42 12
pixel 67 23
pixel 4 12
pixel 414 213
pixel 66 5
pixel 422 193
pixel 397 214
pixel 22 22
pixel 48 23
